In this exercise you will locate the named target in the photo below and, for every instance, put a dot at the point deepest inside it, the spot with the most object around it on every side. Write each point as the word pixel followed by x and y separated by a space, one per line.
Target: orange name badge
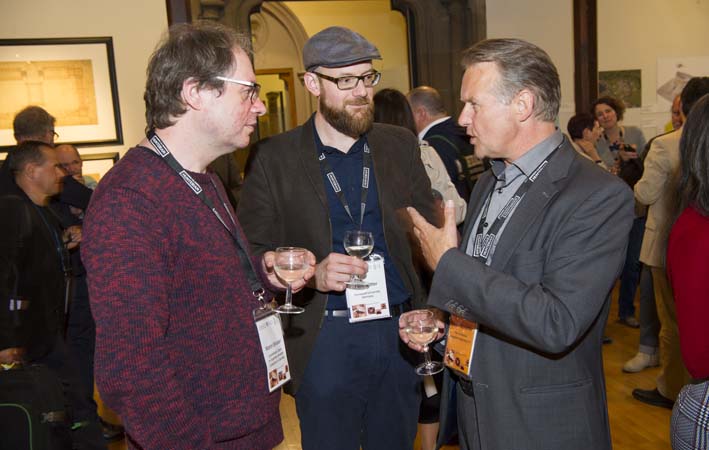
pixel 460 344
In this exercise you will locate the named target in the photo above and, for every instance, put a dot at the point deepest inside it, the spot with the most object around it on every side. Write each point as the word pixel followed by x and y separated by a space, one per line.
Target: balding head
pixel 427 105
pixel 69 160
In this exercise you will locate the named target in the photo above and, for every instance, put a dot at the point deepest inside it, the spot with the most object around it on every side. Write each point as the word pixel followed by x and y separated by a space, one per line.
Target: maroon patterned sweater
pixel 177 351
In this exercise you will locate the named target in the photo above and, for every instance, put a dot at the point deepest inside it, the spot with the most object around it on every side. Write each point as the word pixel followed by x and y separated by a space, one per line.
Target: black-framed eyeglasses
pixel 254 88
pixel 349 82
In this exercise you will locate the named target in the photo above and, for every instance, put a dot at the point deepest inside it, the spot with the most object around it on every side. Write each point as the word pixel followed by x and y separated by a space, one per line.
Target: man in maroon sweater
pixel 171 280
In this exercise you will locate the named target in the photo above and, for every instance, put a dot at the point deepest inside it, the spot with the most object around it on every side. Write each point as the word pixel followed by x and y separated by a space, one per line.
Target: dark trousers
pixel 649 322
pixel 359 388
pixel 630 277
pixel 59 360
pixel 81 337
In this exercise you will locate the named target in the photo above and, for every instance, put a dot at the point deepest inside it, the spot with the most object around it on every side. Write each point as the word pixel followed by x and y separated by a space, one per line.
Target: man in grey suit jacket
pixel 541 250
pixel 354 384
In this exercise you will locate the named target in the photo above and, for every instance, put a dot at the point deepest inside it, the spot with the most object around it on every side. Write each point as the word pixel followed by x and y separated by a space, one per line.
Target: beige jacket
pixel 440 180
pixel 656 189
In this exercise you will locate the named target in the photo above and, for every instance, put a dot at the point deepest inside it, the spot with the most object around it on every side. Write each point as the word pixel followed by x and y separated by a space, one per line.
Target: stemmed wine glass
pixel 422 329
pixel 291 264
pixel 359 244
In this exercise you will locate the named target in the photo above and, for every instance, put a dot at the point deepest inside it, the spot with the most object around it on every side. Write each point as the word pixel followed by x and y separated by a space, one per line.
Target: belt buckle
pixel 337 313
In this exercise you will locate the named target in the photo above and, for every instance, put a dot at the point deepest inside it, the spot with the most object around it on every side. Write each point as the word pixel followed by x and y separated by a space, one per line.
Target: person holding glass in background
pixel 307 187
pixel 622 148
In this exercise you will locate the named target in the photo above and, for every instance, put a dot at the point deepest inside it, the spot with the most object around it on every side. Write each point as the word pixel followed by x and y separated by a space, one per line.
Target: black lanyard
pixel 62 252
pixel 59 247
pixel 483 242
pixel 366 170
pixel 242 247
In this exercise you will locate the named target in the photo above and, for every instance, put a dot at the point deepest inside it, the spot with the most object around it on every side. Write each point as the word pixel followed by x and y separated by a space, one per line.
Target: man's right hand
pixel 336 269
pixel 11 355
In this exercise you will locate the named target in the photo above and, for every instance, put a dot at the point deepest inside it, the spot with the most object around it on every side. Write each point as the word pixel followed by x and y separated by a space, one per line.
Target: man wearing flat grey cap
pixel 354 384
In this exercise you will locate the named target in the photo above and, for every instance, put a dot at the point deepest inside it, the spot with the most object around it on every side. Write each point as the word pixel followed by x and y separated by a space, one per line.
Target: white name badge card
pixel 371 303
pixel 273 348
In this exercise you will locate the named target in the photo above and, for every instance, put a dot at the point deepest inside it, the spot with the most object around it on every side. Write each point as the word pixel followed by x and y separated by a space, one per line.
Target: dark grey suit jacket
pixel 537 369
pixel 284 203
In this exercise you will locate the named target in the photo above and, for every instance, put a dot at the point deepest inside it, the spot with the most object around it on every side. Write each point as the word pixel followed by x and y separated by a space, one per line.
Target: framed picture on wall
pixel 96 165
pixel 74 79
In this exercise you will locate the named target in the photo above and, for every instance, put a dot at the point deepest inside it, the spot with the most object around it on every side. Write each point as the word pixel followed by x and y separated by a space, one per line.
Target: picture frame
pixel 96 165
pixel 74 79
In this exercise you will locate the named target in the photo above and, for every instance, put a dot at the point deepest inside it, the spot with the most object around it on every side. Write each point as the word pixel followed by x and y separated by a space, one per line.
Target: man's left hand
pixel 72 236
pixel 269 260
pixel 435 241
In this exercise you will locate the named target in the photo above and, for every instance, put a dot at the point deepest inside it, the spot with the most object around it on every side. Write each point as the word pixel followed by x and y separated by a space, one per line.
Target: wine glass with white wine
pixel 422 329
pixel 359 244
pixel 291 264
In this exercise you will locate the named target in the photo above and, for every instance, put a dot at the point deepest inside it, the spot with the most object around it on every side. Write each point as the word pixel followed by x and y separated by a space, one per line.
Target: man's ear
pixel 192 94
pixel 312 83
pixel 523 104
pixel 30 170
pixel 416 111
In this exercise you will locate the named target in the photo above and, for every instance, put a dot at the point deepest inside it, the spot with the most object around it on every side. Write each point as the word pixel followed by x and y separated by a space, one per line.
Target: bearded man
pixel 340 171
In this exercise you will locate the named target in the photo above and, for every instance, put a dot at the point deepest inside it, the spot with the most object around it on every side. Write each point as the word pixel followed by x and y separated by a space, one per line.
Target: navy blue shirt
pixel 348 170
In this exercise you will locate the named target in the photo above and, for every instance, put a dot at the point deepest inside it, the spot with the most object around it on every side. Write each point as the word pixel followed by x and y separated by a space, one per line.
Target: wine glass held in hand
pixel 290 265
pixel 359 244
pixel 422 329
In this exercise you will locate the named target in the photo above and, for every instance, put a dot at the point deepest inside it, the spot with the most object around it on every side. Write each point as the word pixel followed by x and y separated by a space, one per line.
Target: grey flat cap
pixel 337 47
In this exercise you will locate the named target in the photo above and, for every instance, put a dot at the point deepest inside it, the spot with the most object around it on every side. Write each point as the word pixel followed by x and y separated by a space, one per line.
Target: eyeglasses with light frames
pixel 350 82
pixel 254 88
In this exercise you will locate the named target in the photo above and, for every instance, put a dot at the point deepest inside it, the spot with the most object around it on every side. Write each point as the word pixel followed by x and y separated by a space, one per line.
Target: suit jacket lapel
pixel 480 192
pixel 533 204
pixel 309 160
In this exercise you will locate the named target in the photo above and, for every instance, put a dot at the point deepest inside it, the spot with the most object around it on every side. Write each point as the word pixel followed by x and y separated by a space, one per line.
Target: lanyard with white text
pixel 330 174
pixel 242 247
pixel 484 240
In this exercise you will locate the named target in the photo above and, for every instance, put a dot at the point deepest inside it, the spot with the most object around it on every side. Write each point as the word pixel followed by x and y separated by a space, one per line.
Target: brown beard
pixel 346 123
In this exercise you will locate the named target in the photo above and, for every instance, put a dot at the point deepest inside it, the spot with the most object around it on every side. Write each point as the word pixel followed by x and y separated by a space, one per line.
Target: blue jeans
pixel 630 277
pixel 359 388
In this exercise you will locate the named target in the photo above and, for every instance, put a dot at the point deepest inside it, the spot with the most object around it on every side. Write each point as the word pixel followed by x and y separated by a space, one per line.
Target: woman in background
pixel 688 272
pixel 391 106
pixel 618 143
pixel 621 148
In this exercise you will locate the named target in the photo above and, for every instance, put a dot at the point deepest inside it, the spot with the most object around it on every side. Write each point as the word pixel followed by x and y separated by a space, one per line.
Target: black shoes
pixel 111 432
pixel 653 397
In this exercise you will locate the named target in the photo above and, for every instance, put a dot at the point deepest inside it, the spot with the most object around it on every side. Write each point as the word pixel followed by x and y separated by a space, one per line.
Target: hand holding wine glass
pixel 422 329
pixel 290 264
pixel 359 244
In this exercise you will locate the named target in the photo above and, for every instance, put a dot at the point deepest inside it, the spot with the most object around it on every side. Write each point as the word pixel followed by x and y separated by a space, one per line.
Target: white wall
pixel 633 34
pixel 374 20
pixel 135 25
pixel 546 23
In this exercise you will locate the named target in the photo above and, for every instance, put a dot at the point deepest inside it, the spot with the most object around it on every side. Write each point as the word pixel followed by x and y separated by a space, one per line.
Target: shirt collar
pixel 431 125
pixel 357 147
pixel 528 162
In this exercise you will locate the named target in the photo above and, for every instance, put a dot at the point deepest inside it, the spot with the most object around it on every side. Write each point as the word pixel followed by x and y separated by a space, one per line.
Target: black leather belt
pixel 396 310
